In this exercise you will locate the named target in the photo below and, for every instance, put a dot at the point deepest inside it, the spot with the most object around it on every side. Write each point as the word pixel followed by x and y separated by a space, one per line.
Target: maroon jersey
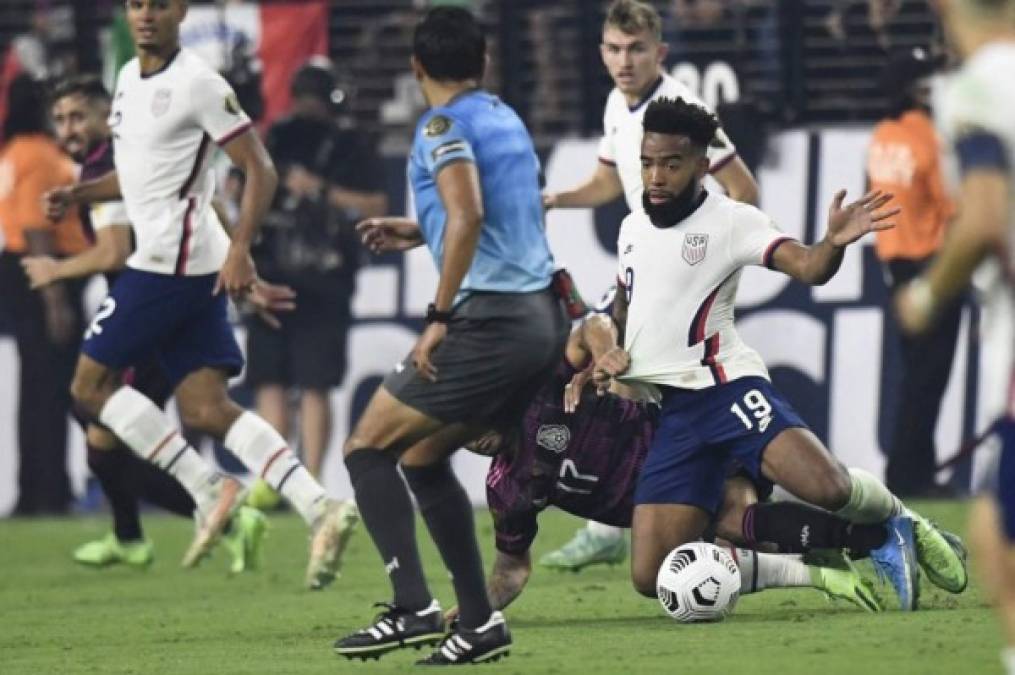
pixel 586 463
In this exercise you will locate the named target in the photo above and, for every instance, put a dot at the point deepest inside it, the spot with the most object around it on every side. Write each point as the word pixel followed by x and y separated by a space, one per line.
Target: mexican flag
pixel 275 38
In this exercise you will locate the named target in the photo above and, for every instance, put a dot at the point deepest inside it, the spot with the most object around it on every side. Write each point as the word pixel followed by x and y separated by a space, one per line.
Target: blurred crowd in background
pixel 331 90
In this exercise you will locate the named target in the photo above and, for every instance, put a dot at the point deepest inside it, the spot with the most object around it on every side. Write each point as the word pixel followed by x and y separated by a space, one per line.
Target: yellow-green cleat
pixel 835 574
pixel 110 551
pixel 246 539
pixel 262 496
pixel 586 548
pixel 941 554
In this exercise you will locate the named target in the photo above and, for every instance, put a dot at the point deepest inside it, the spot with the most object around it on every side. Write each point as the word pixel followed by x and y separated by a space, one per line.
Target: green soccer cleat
pixel 110 551
pixel 586 549
pixel 262 496
pixel 941 554
pixel 836 575
pixel 245 539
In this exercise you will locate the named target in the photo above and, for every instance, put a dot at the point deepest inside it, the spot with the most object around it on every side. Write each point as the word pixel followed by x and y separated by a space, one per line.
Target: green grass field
pixel 56 617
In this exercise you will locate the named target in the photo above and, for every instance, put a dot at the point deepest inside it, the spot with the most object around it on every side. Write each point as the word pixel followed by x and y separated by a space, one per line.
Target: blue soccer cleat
pixel 896 561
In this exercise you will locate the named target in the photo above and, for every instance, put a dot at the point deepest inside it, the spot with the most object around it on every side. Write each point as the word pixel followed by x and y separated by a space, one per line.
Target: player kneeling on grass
pixel 582 451
pixel 717 402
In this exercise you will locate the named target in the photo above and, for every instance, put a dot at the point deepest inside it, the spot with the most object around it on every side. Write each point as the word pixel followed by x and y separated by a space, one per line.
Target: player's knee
pixel 207 416
pixel 834 490
pixel 644 580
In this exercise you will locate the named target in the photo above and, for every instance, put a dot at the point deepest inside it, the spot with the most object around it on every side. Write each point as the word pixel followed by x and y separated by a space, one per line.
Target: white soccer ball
pixel 698 582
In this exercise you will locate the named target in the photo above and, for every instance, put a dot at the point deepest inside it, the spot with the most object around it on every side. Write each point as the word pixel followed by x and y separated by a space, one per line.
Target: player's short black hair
pixel 450 45
pixel 676 117
pixel 88 86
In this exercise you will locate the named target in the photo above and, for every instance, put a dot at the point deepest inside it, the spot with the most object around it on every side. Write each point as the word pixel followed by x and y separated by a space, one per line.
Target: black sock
pixel 160 488
pixel 112 468
pixel 387 513
pixel 798 528
pixel 448 514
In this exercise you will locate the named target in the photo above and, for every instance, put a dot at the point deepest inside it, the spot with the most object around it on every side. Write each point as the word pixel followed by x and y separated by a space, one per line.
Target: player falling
pixel 679 265
pixel 170 301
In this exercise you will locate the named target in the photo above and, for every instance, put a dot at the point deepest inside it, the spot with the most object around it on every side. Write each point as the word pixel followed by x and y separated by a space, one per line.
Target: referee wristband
pixel 433 315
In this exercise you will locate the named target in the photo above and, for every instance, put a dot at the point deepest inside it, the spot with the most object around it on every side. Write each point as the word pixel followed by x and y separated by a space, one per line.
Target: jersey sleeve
pixel 978 121
pixel 107 214
pixel 514 514
pixel 217 109
pixel 443 140
pixel 754 237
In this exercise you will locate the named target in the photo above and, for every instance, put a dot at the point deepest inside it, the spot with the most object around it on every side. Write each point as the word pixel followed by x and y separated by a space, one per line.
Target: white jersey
pixel 163 126
pixel 681 284
pixel 622 132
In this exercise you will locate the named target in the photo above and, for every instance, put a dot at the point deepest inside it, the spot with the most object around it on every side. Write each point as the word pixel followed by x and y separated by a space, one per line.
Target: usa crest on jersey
pixel 694 248
pixel 161 101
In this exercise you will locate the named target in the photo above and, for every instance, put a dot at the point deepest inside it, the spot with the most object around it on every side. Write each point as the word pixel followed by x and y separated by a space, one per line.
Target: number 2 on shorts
pixel 106 310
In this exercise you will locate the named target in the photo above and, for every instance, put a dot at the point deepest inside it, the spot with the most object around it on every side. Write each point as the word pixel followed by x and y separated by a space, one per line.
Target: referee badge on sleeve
pixel 694 248
pixel 437 126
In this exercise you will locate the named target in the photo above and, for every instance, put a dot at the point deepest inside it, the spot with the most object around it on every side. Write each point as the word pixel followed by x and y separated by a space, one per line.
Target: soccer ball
pixel 698 582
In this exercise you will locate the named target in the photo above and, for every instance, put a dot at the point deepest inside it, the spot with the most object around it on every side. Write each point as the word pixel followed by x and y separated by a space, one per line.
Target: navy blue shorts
pixel 173 319
pixel 1001 482
pixel 702 433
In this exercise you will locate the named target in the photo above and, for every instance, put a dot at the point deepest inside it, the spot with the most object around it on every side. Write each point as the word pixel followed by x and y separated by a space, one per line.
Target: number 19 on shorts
pixel 759 408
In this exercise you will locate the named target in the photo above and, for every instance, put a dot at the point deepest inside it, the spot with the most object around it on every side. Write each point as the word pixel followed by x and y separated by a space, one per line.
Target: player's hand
pixel 573 389
pixel 56 202
pixel 915 307
pixel 610 365
pixel 269 299
pixel 238 274
pixel 849 223
pixel 432 336
pixel 487 445
pixel 384 235
pixel 41 270
pixel 549 200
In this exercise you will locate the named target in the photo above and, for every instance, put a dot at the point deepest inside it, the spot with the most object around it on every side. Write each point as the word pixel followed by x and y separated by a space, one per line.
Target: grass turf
pixel 56 617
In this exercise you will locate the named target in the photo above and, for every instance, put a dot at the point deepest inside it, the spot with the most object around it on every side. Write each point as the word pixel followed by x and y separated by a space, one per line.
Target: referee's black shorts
pixel 499 350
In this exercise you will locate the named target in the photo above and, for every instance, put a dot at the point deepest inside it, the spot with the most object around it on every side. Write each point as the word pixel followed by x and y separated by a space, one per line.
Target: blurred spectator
pixel 48 323
pixel 329 180
pixel 903 159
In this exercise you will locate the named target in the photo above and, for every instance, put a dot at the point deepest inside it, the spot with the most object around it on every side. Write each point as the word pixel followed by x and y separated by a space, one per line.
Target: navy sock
pixel 112 468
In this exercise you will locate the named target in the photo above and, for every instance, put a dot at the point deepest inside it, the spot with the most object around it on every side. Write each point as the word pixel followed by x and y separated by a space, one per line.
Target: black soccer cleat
pixel 485 644
pixel 393 629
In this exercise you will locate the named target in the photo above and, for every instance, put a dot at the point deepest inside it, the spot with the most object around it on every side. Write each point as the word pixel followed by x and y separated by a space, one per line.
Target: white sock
pixel 1008 659
pixel 869 501
pixel 605 531
pixel 148 431
pixel 759 571
pixel 266 453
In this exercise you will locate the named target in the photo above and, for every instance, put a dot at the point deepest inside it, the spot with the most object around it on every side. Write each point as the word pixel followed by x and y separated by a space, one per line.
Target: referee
pixel 494 329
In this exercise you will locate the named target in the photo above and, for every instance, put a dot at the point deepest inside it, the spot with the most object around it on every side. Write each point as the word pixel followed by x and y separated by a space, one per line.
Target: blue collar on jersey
pixel 648 96
pixel 162 68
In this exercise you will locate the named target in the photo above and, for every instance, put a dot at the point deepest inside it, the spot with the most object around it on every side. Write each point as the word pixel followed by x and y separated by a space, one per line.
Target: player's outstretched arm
pixel 816 264
pixel 249 155
pixel 507 580
pixel 978 230
pixel 603 187
pixel 113 246
pixel 56 202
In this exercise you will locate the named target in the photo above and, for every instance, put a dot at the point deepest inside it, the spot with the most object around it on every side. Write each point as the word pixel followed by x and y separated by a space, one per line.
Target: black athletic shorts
pixel 308 351
pixel 499 350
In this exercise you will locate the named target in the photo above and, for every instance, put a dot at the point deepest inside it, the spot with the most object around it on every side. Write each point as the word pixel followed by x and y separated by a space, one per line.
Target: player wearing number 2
pixel 680 263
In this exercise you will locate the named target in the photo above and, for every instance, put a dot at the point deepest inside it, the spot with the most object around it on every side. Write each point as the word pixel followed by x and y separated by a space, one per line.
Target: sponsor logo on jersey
pixel 553 437
pixel 437 126
pixel 694 247
pixel 161 101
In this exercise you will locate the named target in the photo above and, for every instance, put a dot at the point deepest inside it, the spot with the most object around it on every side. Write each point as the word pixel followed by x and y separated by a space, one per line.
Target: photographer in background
pixel 329 180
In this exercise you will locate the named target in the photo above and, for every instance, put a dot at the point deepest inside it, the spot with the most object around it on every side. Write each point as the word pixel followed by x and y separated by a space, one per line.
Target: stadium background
pixel 795 84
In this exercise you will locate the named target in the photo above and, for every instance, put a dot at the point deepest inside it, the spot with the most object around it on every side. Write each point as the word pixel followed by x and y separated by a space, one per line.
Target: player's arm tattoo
pixel 508 578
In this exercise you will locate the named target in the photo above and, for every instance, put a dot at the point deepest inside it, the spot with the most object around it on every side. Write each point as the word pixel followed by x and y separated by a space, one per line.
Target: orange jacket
pixel 31 165
pixel 903 158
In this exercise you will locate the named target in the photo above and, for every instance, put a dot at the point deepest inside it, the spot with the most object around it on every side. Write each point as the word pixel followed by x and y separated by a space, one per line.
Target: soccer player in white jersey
pixel 977 116
pixel 680 263
pixel 169 107
pixel 633 53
